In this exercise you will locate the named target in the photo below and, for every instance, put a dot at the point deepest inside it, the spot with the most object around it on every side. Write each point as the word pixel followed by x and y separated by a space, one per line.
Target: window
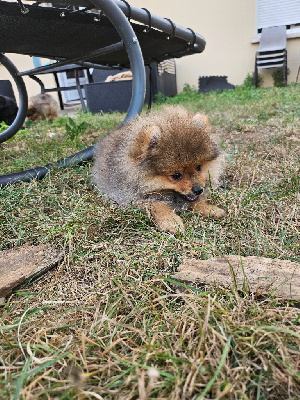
pixel 279 12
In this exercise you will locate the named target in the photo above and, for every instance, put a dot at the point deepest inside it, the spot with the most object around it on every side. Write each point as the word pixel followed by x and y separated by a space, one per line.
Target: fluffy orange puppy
pixel 164 162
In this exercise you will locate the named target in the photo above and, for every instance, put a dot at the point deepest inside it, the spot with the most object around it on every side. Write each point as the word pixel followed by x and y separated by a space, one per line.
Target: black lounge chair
pixel 88 33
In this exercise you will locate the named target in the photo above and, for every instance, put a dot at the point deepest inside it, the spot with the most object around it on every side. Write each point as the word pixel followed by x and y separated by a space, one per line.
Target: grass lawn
pixel 108 322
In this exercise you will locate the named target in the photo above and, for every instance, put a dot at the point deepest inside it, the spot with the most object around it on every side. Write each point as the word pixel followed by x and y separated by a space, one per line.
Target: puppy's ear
pixel 202 121
pixel 145 140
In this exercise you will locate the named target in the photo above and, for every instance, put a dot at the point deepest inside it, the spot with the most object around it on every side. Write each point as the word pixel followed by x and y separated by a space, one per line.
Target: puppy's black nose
pixel 197 190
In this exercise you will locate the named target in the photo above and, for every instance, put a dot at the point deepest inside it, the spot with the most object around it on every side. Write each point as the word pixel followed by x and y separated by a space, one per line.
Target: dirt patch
pixel 260 275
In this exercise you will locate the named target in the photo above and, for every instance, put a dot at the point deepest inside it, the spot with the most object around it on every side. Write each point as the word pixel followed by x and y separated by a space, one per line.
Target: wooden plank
pixel 259 275
pixel 20 264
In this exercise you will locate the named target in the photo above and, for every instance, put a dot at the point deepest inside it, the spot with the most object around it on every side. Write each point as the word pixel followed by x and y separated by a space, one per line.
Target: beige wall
pixel 228 27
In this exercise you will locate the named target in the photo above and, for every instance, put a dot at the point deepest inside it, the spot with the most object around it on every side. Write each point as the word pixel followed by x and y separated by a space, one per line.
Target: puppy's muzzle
pixel 194 194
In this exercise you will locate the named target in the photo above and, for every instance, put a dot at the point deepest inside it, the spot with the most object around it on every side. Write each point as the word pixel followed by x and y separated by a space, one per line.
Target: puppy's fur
pixel 42 106
pixel 162 161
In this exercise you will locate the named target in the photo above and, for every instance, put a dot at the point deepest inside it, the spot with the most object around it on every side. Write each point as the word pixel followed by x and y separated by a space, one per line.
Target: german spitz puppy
pixel 42 106
pixel 164 161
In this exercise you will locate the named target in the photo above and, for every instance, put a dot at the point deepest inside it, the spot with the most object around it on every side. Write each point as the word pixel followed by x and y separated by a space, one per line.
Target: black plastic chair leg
pixel 255 77
pixel 285 69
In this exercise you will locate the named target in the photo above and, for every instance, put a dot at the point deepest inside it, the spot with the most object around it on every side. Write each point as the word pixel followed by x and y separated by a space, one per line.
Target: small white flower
pixel 153 373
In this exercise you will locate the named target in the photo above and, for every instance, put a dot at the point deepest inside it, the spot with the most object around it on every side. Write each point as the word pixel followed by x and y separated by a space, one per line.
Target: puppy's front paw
pixel 170 223
pixel 165 218
pixel 215 212
pixel 209 210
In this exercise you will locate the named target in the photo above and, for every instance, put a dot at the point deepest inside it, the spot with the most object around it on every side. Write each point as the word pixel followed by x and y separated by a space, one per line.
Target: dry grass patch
pixel 109 322
pixel 102 337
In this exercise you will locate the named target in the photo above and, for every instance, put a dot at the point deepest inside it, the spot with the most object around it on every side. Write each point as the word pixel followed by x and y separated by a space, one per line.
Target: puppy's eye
pixel 198 168
pixel 177 176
